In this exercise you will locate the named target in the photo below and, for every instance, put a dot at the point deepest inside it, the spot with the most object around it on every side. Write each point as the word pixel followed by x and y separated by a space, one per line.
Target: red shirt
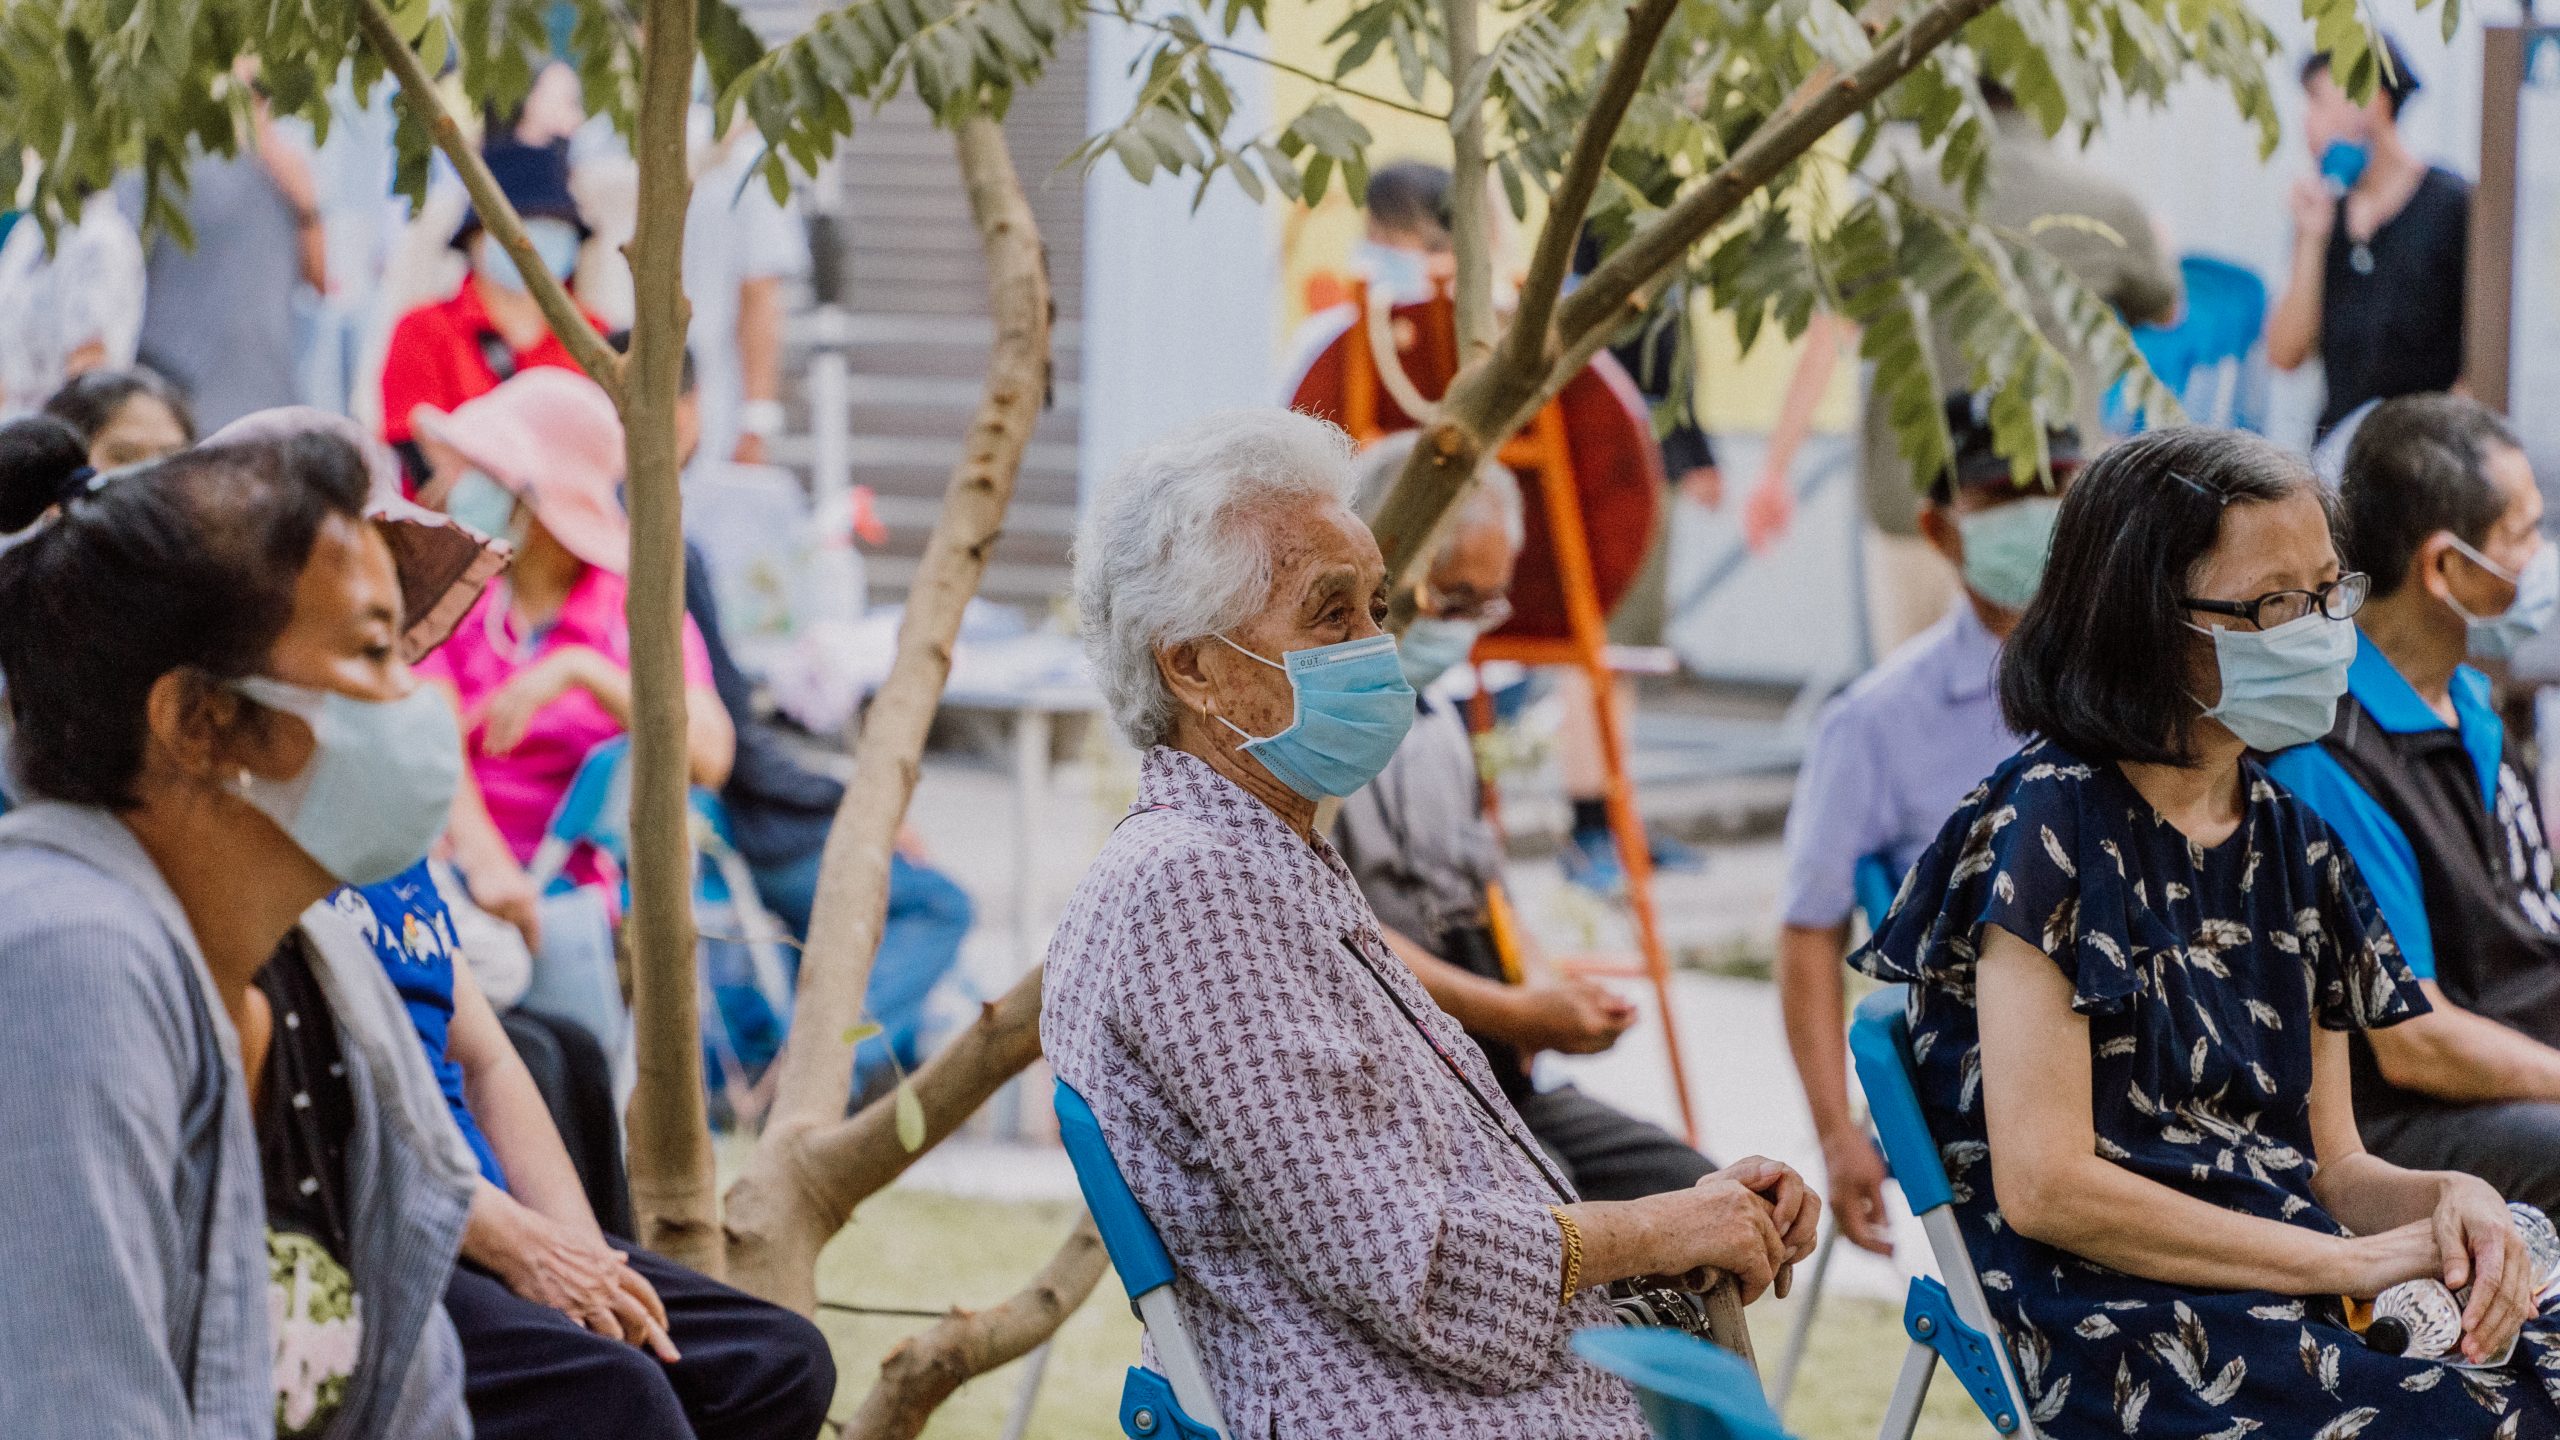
pixel 438 356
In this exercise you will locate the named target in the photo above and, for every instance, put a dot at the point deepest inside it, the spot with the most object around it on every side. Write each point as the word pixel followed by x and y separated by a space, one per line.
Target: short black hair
pixel 2098 661
pixel 189 562
pixel 1408 195
pixel 2419 464
pixel 88 401
pixel 2396 80
pixel 1977 462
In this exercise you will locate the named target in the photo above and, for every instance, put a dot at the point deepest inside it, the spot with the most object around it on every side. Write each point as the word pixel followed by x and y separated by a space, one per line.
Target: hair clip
pixel 2216 496
pixel 76 484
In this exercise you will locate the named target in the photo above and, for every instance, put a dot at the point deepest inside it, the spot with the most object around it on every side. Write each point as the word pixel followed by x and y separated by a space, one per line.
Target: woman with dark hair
pixel 126 416
pixel 2133 963
pixel 234 1193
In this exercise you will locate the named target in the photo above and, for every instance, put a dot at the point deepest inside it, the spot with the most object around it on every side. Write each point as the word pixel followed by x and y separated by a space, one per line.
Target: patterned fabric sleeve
pixel 2362 981
pixel 1333 1172
pixel 2014 856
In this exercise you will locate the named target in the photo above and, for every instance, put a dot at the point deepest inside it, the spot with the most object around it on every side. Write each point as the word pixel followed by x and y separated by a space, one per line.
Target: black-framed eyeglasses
pixel 2340 599
pixel 1487 611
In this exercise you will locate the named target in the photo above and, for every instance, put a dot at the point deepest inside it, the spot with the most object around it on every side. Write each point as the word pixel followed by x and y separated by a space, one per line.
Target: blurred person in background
pixel 236 1196
pixel 2433 798
pixel 218 317
pixel 1430 865
pixel 1344 1191
pixel 126 416
pixel 449 351
pixel 741 248
pixel 2381 249
pixel 70 303
pixel 540 669
pixel 1891 758
pixel 2036 188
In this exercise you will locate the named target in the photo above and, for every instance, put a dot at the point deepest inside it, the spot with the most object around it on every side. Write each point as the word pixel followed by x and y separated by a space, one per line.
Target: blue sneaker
pixel 1590 860
pixel 1675 857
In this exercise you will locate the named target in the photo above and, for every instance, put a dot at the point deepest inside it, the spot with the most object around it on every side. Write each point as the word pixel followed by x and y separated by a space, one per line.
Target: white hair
pixel 1176 546
pixel 1492 498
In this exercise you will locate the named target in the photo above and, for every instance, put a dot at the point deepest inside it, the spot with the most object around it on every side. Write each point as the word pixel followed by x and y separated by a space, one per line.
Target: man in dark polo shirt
pixel 2422 783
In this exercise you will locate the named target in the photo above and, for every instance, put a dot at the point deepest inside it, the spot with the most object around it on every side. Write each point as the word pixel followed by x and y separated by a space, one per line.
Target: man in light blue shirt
pixel 1892 757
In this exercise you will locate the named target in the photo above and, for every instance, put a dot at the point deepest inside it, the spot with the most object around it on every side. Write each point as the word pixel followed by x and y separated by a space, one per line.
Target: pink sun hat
pixel 551 437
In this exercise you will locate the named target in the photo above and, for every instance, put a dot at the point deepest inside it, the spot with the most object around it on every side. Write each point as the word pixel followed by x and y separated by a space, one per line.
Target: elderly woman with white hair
pixel 1367 1236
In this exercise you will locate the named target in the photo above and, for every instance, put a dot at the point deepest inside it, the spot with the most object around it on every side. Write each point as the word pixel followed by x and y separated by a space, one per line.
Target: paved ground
pixel 1745 1085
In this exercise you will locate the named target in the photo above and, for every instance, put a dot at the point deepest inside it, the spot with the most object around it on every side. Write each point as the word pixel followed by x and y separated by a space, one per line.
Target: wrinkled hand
pixel 1793 1206
pixel 588 1281
pixel 1856 1175
pixel 2315 209
pixel 507 716
pixel 502 888
pixel 1723 1224
pixel 1703 485
pixel 1767 512
pixel 1575 1015
pixel 2478 1245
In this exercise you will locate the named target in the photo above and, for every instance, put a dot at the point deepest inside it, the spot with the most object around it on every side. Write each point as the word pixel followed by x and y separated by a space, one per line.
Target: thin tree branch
pixel 418 92
pixel 922 1372
pixel 1105 12
pixel 1571 202
pixel 1469 225
pixel 1604 300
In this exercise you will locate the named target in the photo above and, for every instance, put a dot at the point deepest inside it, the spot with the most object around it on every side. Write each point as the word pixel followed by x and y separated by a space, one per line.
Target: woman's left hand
pixel 507 716
pixel 2478 1245
pixel 1793 1207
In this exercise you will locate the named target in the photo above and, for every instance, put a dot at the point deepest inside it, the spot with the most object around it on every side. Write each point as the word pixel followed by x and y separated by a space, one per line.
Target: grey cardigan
pixel 132 1215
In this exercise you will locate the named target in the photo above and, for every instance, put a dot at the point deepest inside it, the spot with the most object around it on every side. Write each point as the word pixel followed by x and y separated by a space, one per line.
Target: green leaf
pixel 911 1126
pixel 856 1034
pixel 729 47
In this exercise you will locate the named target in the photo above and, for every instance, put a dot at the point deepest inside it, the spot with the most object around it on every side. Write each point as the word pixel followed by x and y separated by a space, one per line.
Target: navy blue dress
pixel 2201 972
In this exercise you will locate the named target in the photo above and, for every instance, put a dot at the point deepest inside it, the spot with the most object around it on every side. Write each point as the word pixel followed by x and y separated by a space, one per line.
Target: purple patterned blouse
pixel 1362 1249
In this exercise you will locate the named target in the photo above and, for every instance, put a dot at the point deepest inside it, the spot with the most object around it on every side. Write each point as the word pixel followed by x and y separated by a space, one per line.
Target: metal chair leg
pixel 1910 1393
pixel 1783 1385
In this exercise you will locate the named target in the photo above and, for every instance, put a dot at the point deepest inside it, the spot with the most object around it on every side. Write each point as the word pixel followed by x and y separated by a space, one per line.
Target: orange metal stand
pixel 1541 448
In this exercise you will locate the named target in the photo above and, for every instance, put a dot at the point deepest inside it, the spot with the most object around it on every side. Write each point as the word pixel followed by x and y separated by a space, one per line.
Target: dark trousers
pixel 576 1082
pixel 1609 1154
pixel 751 1371
pixel 2514 1145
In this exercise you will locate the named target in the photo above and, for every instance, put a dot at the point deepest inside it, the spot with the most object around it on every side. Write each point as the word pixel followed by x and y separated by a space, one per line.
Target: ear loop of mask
pixel 1249 737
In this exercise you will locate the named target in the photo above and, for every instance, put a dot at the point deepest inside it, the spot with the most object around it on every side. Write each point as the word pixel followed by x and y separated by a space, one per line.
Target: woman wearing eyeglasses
pixel 2134 960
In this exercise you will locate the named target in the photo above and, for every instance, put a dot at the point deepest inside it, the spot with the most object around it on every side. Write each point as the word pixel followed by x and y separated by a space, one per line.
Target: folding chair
pixel 1947 1322
pixel 1690 1388
pixel 1173 1402
pixel 1873 882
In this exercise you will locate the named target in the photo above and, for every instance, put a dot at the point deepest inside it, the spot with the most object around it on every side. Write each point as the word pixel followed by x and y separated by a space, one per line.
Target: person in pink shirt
pixel 540 668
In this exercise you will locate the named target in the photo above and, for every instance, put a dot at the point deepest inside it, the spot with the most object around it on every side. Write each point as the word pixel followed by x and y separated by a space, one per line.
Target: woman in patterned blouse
pixel 1368 1237
pixel 2137 966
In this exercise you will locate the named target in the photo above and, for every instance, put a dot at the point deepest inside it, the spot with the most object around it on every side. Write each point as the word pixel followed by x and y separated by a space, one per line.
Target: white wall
pixel 1178 311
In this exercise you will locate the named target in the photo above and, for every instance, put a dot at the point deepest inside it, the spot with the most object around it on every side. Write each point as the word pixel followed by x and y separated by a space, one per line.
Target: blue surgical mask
pixel 1350 709
pixel 2342 164
pixel 1402 275
pixel 380 783
pixel 556 241
pixel 1431 646
pixel 481 503
pixel 2005 549
pixel 2495 637
pixel 2280 687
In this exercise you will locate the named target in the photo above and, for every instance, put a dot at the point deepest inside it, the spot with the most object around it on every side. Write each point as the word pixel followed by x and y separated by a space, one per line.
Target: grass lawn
pixel 911 1250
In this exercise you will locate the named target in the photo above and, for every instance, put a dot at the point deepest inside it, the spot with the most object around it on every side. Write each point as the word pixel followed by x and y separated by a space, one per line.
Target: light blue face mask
pixel 2495 637
pixel 556 241
pixel 1403 276
pixel 481 503
pixel 2005 548
pixel 2342 164
pixel 1431 646
pixel 1350 709
pixel 2280 687
pixel 380 784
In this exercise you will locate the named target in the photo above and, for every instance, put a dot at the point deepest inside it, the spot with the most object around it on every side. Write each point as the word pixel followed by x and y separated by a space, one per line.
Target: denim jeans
pixel 928 916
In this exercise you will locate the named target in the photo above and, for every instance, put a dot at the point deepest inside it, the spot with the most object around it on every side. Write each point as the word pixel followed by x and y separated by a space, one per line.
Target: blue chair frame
pixel 1948 1322
pixel 1175 1402
pixel 1690 1389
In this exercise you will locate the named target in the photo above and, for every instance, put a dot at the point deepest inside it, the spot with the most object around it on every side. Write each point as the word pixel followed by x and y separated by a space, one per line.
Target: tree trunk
pixel 1470 224
pixel 922 1372
pixel 674 1186
pixel 801 1189
pixel 817 1063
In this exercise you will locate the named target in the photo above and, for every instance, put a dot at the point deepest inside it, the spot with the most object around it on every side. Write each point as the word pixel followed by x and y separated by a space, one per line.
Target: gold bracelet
pixel 1572 1251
